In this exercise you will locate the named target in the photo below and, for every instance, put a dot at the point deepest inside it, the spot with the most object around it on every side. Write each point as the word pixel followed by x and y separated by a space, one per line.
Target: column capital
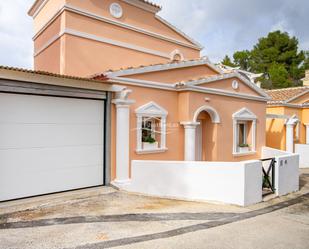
pixel 190 125
pixel 123 102
pixel 121 98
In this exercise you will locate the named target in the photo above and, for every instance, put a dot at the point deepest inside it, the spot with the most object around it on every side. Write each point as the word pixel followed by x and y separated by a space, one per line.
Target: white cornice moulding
pixel 76 10
pixel 167 66
pixel 102 40
pixel 171 87
pixel 227 76
pixel 33 12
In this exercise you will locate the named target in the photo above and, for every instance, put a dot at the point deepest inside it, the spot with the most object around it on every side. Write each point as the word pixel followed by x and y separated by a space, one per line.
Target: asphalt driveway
pixel 107 218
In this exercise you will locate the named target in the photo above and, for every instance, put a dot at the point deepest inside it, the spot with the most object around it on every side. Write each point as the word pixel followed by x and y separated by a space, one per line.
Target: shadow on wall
pixel 275 139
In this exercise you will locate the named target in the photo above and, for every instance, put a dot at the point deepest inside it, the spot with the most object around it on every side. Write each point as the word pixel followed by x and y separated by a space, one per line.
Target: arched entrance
pixel 206 133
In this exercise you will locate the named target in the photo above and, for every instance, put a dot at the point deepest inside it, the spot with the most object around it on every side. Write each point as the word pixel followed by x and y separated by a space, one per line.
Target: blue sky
pixel 221 26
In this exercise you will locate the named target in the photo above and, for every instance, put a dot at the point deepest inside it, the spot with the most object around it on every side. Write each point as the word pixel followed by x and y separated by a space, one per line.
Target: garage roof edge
pixel 41 77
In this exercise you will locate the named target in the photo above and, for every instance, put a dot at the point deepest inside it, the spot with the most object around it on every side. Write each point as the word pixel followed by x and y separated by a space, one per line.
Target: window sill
pixel 141 152
pixel 244 153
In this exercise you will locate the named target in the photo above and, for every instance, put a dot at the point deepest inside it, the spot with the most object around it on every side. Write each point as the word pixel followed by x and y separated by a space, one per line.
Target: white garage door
pixel 49 144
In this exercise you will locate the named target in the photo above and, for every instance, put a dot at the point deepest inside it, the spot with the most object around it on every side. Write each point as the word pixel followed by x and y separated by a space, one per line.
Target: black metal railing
pixel 268 185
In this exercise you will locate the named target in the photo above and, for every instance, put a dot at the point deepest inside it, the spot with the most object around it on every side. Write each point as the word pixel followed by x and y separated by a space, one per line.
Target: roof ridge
pixel 151 65
pixel 46 73
pixel 151 3
pixel 287 88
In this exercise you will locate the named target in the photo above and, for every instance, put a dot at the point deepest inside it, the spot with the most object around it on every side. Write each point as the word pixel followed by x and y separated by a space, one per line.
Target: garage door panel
pixel 49 159
pixel 49 144
pixel 32 109
pixel 21 136
pixel 62 180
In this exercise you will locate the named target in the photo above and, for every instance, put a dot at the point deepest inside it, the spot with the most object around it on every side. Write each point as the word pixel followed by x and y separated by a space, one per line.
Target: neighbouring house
pixel 288 118
pixel 159 102
pixel 287 126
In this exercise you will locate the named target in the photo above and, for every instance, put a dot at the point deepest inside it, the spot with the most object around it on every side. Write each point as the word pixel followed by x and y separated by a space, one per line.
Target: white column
pixel 290 138
pixel 307 133
pixel 122 140
pixel 190 129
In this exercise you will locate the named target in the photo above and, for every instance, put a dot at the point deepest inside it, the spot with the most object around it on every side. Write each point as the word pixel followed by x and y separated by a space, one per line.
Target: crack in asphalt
pixel 115 218
pixel 194 228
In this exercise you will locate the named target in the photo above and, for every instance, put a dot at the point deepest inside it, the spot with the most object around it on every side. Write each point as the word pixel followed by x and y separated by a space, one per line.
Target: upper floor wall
pixel 93 32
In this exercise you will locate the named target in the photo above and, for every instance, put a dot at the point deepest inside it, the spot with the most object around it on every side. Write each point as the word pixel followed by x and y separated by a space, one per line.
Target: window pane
pixel 242 139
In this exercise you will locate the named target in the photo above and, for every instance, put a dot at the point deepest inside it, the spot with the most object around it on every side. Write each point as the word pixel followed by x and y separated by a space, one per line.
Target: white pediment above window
pixel 151 109
pixel 244 114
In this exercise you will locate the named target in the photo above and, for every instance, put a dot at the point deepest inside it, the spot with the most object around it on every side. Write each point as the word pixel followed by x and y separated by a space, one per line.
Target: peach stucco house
pixel 177 105
pixel 120 96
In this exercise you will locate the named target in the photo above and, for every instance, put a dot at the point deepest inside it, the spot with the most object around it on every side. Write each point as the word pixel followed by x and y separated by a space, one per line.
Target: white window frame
pixel 150 110
pixel 242 116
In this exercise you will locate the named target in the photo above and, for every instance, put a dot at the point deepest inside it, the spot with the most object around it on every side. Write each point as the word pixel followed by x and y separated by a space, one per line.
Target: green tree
pixel 227 61
pixel 242 59
pixel 279 76
pixel 276 53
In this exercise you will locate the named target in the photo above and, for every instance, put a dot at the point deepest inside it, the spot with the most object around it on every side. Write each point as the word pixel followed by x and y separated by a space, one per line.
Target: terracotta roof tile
pixel 282 95
pixel 142 66
pixel 151 3
pixel 48 74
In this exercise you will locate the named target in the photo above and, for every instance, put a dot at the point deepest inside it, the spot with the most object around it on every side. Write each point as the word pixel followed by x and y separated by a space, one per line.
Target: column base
pixel 121 184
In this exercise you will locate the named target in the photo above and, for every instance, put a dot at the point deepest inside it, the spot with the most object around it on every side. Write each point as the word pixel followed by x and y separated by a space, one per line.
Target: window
pixel 151 129
pixel 176 56
pixel 244 132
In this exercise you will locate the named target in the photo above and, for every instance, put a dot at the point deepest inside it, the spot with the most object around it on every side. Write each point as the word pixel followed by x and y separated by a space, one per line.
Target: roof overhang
pixel 36 6
pixel 29 76
pixel 162 67
pixel 145 5
pixel 228 76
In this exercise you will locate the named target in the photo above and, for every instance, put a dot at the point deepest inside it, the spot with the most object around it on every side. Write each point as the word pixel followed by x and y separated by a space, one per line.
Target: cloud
pixel 222 26
pixel 225 26
pixel 16 46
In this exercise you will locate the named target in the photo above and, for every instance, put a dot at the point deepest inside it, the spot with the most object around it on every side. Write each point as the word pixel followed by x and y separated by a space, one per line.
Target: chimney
pixel 306 79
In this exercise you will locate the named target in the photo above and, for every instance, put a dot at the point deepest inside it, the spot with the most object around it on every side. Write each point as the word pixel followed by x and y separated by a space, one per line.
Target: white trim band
pixel 102 40
pixel 79 11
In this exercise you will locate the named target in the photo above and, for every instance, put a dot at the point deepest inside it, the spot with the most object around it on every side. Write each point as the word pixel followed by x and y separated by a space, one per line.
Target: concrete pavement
pixel 106 218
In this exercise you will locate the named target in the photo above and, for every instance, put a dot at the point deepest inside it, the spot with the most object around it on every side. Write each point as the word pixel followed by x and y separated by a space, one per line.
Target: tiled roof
pixel 285 94
pixel 150 65
pixel 167 64
pixel 48 74
pixel 151 3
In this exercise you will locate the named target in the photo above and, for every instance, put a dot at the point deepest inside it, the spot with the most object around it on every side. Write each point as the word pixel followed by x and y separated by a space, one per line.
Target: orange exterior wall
pixel 176 75
pixel 276 129
pixel 181 106
pixel 131 15
pixel 226 84
pixel 85 56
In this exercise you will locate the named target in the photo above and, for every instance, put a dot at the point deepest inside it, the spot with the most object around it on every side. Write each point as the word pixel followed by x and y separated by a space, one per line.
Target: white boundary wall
pixel 229 182
pixel 286 170
pixel 303 151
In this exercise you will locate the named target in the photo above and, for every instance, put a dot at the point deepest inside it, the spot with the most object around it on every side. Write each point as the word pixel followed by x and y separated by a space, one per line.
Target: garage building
pixel 54 133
